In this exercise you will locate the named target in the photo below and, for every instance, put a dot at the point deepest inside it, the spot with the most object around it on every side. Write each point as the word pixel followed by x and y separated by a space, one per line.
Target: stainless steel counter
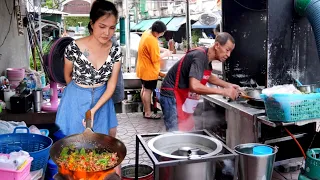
pixel 242 126
pixel 241 106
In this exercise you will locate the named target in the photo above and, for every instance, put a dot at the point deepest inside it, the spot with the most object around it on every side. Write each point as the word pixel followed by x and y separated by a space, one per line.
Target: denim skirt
pixel 76 101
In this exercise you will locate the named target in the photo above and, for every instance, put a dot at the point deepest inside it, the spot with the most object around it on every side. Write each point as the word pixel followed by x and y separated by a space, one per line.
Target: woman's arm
pixel 68 66
pixel 111 86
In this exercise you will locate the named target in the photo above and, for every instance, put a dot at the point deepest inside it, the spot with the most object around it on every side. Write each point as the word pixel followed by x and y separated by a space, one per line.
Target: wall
pixel 14 52
pixel 173 8
pixel 247 23
pixel 292 51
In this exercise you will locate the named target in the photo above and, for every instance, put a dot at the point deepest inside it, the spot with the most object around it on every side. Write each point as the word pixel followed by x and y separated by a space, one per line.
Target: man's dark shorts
pixel 152 85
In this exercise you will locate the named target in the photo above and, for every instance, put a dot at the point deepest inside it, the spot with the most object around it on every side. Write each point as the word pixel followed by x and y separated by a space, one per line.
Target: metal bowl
pixel 307 88
pixel 167 144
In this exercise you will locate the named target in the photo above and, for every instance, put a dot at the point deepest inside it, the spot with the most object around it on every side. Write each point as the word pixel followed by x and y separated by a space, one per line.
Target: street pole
pixel 127 38
pixel 188 26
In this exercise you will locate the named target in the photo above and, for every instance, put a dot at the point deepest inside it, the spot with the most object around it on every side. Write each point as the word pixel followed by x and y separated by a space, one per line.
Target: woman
pixel 91 69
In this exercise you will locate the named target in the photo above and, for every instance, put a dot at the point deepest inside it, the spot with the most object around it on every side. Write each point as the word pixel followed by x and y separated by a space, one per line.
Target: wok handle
pixel 88 119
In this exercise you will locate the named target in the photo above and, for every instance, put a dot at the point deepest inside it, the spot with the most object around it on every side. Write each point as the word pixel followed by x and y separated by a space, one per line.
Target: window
pixel 163 4
pixel 177 3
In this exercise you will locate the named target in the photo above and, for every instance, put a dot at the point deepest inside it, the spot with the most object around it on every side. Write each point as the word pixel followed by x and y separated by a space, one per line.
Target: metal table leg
pixel 137 158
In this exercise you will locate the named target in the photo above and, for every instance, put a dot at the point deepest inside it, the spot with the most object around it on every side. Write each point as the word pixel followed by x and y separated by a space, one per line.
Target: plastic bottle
pixel 28 81
pixel 33 82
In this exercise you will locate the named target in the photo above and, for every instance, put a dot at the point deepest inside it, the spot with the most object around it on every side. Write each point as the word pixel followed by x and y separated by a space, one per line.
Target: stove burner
pixel 256 104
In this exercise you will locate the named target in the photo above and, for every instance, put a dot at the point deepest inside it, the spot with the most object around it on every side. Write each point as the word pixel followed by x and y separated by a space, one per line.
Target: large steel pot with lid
pixel 184 146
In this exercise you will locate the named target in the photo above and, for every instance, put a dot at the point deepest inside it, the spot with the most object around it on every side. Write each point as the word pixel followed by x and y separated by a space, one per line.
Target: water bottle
pixel 33 82
pixel 28 81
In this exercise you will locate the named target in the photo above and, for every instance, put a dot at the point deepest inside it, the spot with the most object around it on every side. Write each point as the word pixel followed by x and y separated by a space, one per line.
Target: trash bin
pixel 255 167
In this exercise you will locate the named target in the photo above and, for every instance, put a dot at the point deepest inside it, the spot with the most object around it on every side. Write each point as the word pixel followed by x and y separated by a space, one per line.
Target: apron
pixel 187 101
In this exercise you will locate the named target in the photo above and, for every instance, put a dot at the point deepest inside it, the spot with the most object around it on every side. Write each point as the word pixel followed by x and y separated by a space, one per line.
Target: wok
pixel 252 94
pixel 253 97
pixel 90 140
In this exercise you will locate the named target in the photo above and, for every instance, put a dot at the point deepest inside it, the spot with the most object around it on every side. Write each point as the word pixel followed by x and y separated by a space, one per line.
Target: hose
pixel 311 8
pixel 313 15
pixel 301 149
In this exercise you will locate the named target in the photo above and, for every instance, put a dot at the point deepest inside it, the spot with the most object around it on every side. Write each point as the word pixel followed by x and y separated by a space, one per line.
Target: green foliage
pixel 165 42
pixel 74 21
pixel 195 35
pixel 52 4
pixel 46 48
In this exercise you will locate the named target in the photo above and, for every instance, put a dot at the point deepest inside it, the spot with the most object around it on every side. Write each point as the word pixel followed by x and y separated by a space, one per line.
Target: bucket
pixel 255 167
pixel 145 172
pixel 52 169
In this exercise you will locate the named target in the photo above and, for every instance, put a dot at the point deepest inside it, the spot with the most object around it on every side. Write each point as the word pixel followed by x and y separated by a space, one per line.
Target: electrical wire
pixel 317 130
pixel 259 10
pixel 9 25
pixel 5 1
pixel 301 149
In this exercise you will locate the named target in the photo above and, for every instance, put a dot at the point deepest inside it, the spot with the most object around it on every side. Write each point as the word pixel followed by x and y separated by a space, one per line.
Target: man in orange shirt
pixel 148 64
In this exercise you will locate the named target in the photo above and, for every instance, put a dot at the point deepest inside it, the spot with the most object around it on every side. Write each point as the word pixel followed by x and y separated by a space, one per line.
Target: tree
pixel 53 4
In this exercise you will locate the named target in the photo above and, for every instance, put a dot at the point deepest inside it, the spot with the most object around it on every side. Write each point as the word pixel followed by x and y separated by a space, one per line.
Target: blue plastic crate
pixel 292 107
pixel 36 145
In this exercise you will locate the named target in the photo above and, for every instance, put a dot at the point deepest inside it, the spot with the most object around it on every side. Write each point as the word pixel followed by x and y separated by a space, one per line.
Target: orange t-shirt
pixel 148 64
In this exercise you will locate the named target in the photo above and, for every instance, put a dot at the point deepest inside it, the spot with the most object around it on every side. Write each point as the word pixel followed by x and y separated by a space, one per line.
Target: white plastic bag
pixel 34 130
pixel 7 127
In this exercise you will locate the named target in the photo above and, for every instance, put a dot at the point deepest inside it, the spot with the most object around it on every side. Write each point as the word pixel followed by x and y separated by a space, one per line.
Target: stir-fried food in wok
pixel 86 160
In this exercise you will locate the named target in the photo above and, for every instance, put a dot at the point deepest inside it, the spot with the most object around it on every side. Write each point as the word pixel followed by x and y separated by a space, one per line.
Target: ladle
pixel 298 82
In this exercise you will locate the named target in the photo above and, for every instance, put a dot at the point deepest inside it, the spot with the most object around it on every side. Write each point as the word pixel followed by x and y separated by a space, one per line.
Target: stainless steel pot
pixel 307 88
pixel 177 146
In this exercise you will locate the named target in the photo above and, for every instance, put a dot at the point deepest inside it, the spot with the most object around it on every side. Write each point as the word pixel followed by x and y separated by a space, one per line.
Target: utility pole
pixel 188 26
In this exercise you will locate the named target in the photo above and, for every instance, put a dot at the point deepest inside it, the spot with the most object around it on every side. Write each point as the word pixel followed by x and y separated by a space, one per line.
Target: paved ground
pixel 131 124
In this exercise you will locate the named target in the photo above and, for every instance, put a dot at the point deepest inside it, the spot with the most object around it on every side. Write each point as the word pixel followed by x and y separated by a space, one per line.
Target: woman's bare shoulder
pixel 81 42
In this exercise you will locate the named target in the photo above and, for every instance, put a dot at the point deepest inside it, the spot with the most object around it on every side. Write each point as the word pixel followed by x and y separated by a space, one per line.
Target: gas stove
pixel 253 104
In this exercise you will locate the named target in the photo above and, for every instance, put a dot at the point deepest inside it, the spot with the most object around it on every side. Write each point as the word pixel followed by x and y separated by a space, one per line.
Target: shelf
pixel 266 121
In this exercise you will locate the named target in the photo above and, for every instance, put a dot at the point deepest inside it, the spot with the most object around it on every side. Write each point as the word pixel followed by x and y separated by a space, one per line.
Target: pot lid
pixel 185 145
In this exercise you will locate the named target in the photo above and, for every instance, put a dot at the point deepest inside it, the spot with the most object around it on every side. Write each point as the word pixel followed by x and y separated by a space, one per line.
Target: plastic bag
pixel 7 127
pixel 34 130
pixel 14 160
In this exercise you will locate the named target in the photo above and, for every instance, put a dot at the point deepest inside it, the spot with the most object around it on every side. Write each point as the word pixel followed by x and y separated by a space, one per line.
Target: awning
pixel 198 25
pixel 148 24
pixel 175 23
pixel 193 17
pixel 166 20
pixel 139 25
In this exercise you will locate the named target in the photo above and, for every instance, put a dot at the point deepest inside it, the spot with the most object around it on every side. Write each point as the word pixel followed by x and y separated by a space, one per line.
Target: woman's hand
pixel 92 118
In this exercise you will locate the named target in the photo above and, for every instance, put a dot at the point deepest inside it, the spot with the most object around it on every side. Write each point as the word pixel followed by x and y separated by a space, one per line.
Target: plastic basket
pixel 44 132
pixel 21 174
pixel 36 145
pixel 292 107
